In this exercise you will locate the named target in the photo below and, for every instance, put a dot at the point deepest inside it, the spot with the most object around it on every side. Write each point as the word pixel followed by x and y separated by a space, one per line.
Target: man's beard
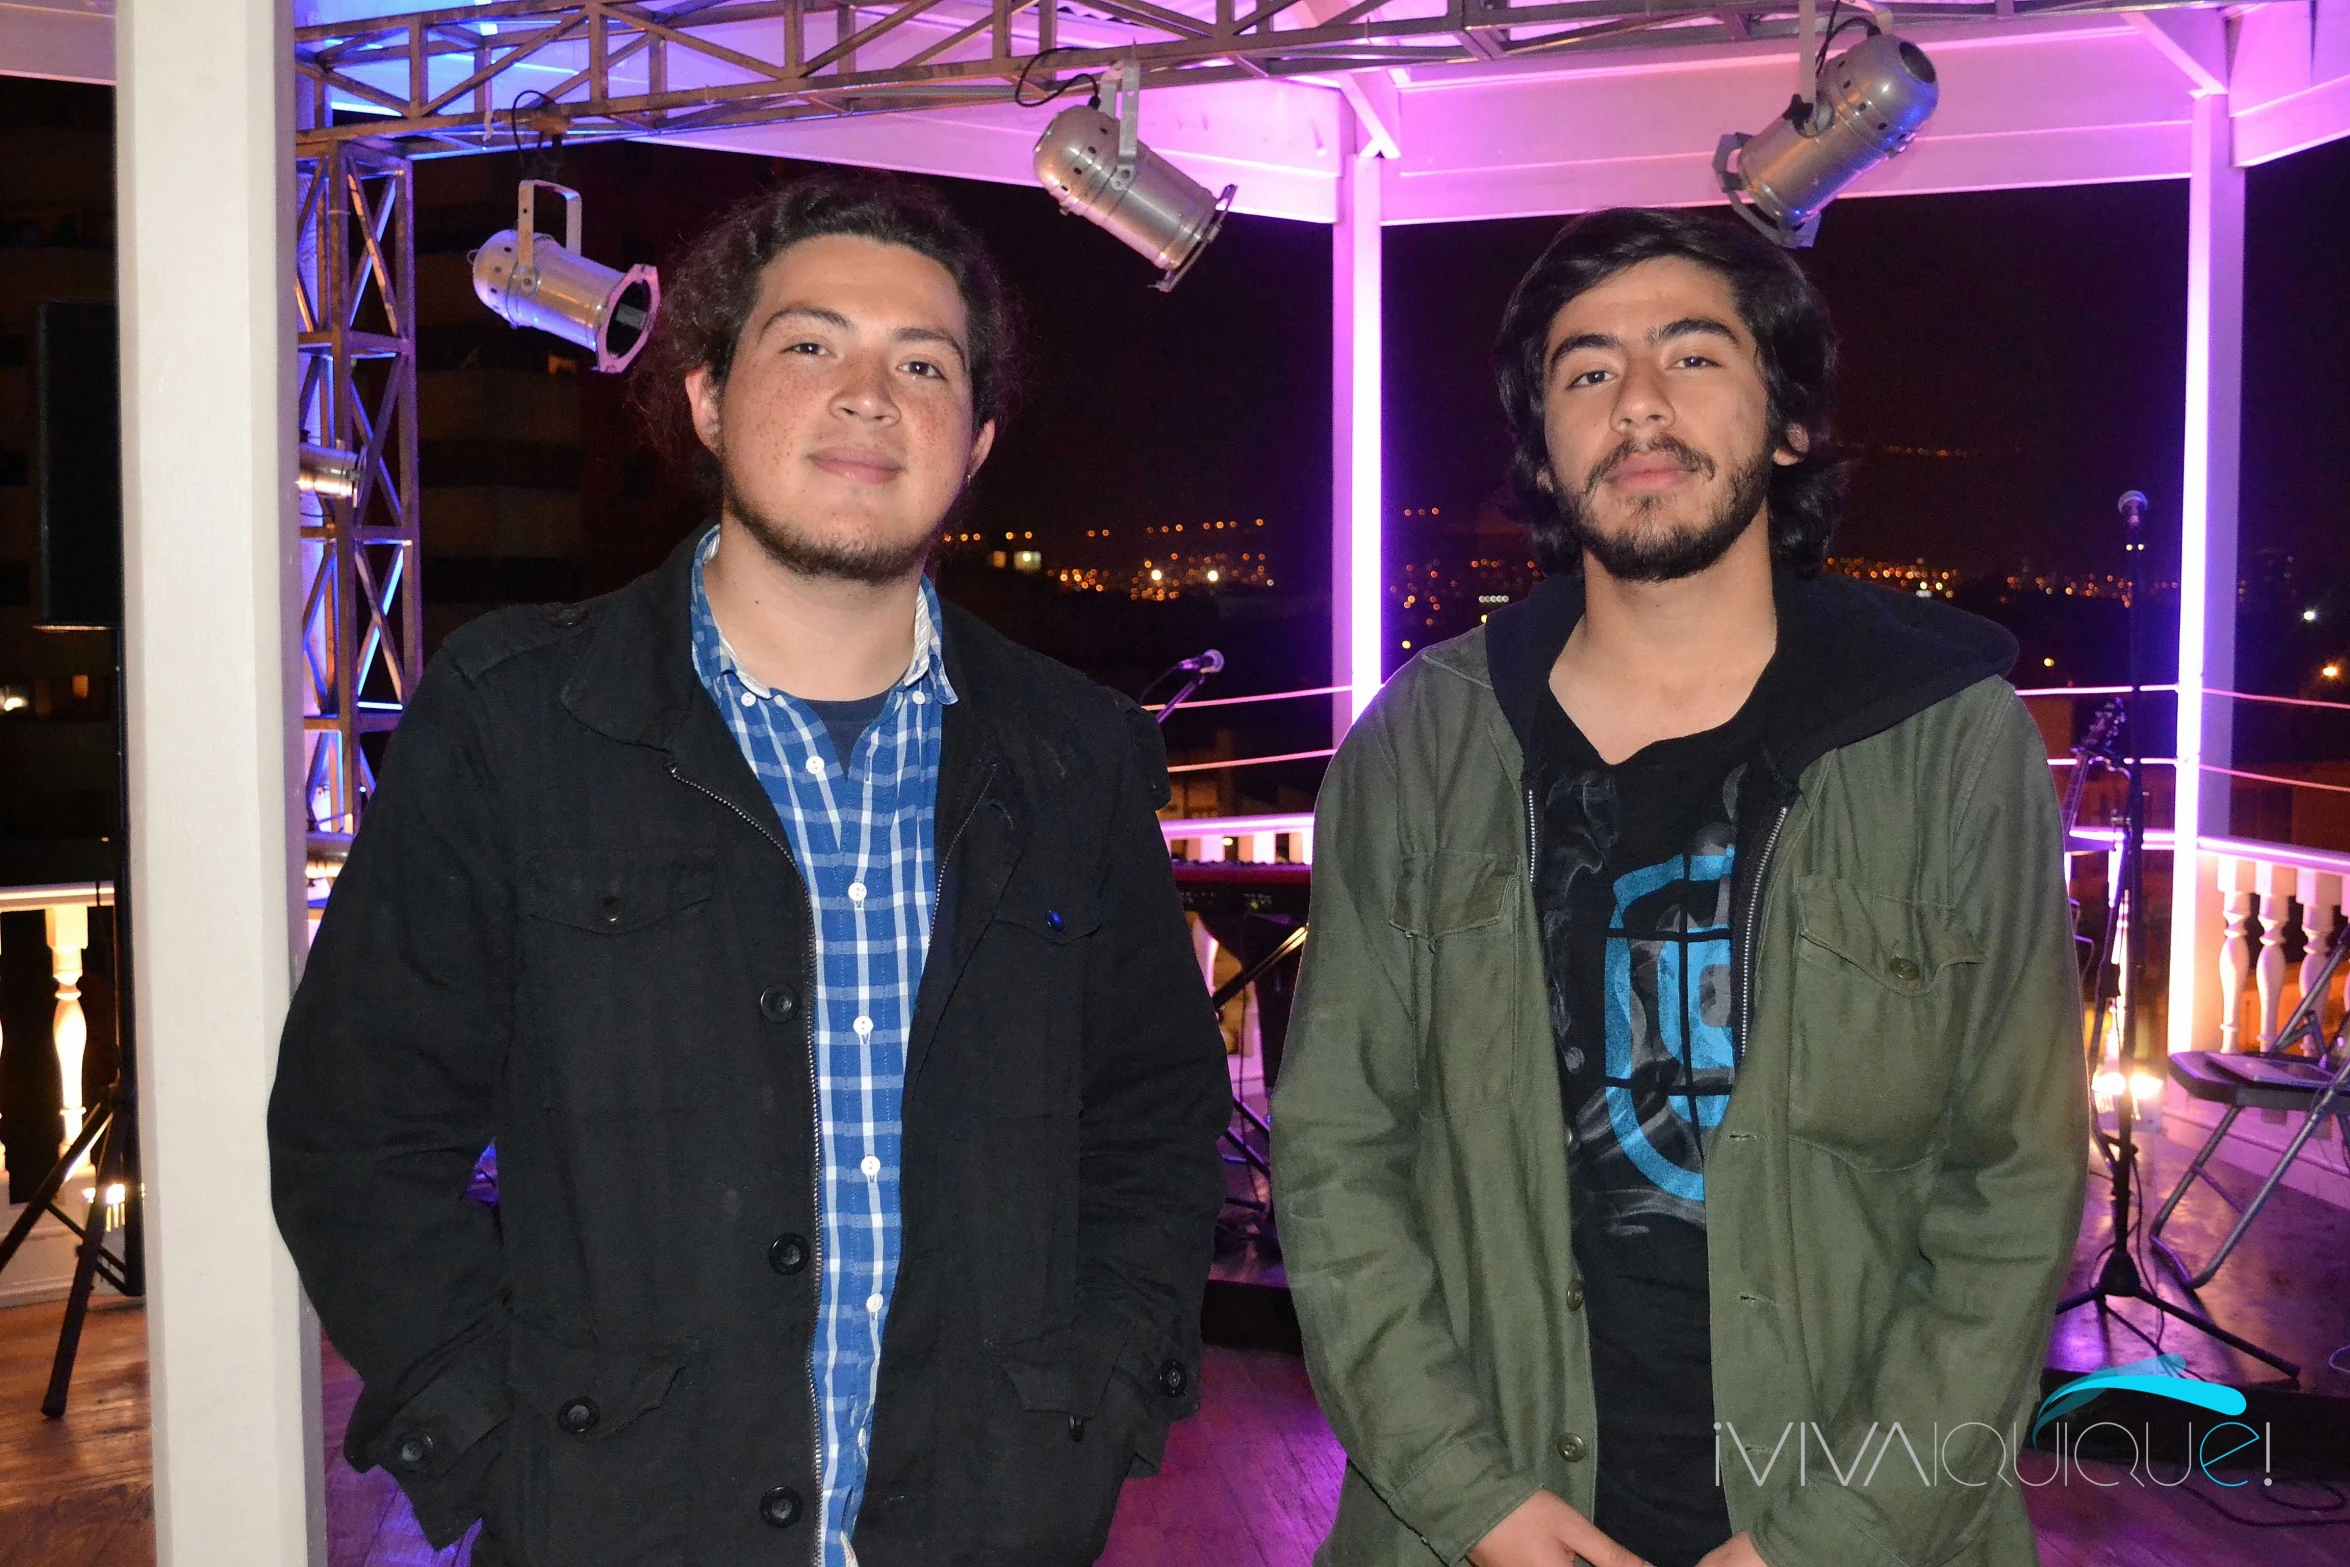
pixel 873 562
pixel 1637 556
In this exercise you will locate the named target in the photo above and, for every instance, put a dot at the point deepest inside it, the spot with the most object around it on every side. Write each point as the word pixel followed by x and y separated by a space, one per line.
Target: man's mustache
pixel 1687 455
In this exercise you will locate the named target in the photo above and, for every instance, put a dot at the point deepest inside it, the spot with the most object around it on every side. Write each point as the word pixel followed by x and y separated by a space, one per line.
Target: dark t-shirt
pixel 846 722
pixel 1633 885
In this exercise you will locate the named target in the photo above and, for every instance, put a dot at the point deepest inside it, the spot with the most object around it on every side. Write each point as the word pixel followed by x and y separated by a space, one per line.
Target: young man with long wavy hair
pixel 1684 1094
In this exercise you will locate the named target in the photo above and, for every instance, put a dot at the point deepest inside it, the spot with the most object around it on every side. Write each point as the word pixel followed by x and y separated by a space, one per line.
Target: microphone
pixel 1209 663
pixel 2132 506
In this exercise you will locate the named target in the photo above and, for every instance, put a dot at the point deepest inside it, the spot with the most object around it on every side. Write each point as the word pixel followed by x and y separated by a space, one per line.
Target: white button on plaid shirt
pixel 863 835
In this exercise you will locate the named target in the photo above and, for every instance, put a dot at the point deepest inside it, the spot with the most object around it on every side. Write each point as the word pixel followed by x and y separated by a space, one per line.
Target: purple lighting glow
pixel 1356 630
pixel 2207 538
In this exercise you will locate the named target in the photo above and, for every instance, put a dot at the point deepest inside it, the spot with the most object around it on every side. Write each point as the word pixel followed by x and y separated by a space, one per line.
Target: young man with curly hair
pixel 1684 1102
pixel 810 954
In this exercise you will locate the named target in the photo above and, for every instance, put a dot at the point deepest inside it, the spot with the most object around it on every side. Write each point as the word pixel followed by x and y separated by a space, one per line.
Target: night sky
pixel 2034 335
pixel 2037 332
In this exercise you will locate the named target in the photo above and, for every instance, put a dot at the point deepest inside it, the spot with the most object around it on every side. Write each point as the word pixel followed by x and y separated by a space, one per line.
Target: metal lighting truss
pixel 362 617
pixel 598 68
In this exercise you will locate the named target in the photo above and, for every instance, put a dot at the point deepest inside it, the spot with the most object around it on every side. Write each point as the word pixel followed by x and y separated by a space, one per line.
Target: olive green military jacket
pixel 1892 1196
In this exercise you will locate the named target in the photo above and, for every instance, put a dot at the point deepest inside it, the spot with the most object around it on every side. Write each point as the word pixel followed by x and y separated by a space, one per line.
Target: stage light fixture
pixel 1096 167
pixel 328 471
pixel 531 280
pixel 1866 106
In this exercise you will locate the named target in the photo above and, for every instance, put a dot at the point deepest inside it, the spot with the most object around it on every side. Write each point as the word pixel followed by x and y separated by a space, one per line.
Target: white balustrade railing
pixel 2289 891
pixel 1254 839
pixel 67 907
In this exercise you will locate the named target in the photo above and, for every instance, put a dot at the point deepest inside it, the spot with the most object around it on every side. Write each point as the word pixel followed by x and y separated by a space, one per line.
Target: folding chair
pixel 2270 1080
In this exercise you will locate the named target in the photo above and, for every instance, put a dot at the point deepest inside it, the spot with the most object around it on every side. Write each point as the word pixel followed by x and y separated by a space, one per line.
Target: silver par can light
pixel 1095 168
pixel 533 281
pixel 327 471
pixel 1867 106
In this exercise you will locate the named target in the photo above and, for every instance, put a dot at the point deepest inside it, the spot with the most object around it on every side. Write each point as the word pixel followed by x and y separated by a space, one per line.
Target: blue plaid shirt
pixel 864 837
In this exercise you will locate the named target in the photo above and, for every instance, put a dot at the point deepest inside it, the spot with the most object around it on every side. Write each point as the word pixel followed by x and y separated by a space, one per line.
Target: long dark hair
pixel 709 294
pixel 1794 339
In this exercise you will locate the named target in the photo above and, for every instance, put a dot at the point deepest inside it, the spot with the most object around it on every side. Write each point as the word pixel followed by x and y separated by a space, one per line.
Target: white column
pixel 204 186
pixel 2207 553
pixel 1355 492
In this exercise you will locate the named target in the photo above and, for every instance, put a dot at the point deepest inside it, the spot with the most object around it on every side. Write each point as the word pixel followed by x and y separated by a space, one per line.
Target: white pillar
pixel 2207 550
pixel 1355 495
pixel 204 170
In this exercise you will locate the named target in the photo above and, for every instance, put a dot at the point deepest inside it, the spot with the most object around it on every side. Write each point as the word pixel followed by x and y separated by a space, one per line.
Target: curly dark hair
pixel 1781 309
pixel 709 294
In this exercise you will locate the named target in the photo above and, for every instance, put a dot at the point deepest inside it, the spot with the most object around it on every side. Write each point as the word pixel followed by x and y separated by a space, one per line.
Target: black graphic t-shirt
pixel 1633 874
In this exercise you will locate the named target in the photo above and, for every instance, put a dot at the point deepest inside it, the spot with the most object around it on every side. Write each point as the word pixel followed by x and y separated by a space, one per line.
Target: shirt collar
pixel 927 668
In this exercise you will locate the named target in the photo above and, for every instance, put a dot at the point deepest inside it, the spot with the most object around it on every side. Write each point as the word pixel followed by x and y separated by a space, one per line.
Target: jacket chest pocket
pixel 1028 983
pixel 616 962
pixel 1459 912
pixel 1877 985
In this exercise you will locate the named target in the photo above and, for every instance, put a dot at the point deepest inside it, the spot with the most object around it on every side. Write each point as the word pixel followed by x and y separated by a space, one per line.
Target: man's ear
pixel 703 393
pixel 1794 446
pixel 981 444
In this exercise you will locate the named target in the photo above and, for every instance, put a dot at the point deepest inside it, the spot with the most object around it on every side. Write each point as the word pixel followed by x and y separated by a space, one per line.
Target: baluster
pixel 1301 846
pixel 2235 948
pixel 69 934
pixel 1257 847
pixel 2269 967
pixel 2321 903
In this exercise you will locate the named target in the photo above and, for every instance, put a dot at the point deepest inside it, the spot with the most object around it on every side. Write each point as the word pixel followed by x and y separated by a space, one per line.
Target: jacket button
pixel 566 615
pixel 1053 918
pixel 609 911
pixel 777 1003
pixel 788 1255
pixel 1173 1379
pixel 1904 970
pixel 1575 1296
pixel 415 1449
pixel 578 1417
pixel 1573 1448
pixel 780 1508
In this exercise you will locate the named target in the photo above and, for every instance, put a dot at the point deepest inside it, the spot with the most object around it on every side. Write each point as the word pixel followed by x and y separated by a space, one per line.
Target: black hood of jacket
pixel 1853 660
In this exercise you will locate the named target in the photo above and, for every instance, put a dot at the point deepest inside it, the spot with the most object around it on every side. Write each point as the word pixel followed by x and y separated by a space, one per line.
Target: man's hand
pixel 1736 1551
pixel 1546 1532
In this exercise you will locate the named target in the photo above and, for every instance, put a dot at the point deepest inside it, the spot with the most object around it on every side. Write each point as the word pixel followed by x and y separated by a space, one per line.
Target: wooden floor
pixel 1250 1483
pixel 75 1492
pixel 2285 1288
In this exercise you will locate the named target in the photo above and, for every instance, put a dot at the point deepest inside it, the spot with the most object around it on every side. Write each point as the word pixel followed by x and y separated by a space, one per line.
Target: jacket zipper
pixel 816 1130
pixel 1754 896
pixel 938 873
pixel 1533 836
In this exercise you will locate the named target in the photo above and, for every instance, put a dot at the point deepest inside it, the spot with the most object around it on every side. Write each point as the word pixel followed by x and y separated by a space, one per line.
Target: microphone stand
pixel 2119 1278
pixel 1209 663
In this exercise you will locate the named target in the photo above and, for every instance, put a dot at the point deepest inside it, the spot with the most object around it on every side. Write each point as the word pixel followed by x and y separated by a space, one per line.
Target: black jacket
pixel 571 925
